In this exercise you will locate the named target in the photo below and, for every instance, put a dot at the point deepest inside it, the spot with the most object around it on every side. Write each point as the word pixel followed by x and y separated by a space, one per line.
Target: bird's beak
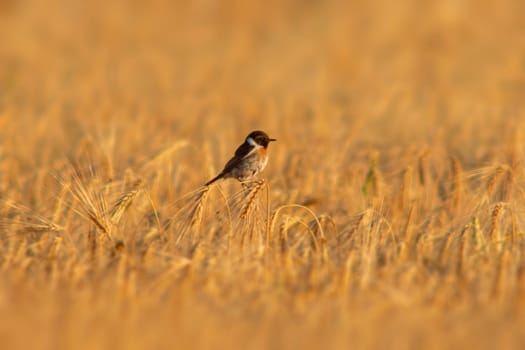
pixel 270 140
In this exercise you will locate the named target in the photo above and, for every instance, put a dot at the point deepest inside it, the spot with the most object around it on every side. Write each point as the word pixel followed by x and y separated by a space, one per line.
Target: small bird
pixel 249 160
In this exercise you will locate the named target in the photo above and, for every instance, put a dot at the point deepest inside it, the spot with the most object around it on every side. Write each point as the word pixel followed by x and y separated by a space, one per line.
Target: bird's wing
pixel 242 152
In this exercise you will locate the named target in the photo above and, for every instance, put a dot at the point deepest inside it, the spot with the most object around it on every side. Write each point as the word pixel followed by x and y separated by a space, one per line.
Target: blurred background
pixel 409 111
pixel 196 69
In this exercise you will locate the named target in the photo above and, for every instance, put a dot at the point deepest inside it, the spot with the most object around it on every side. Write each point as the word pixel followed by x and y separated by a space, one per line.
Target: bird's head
pixel 259 139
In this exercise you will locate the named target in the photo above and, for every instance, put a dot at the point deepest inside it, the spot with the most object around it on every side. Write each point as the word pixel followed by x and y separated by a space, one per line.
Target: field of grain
pixel 392 211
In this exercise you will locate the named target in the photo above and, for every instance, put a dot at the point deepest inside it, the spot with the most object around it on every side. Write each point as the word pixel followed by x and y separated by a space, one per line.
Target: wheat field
pixel 391 214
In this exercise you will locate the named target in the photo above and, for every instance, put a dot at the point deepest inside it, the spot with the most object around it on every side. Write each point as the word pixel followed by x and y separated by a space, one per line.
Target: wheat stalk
pixel 124 202
pixel 494 222
pixel 463 249
pixel 250 197
pixel 199 207
pixel 195 217
pixel 493 179
pixel 457 182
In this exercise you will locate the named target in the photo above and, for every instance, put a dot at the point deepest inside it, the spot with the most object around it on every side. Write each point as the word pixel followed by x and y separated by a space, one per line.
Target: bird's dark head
pixel 259 138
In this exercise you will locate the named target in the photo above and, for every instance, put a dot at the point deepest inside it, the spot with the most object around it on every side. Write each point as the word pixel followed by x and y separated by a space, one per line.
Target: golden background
pixel 400 139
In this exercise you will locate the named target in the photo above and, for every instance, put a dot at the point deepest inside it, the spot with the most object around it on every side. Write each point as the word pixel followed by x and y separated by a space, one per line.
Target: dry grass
pixel 392 211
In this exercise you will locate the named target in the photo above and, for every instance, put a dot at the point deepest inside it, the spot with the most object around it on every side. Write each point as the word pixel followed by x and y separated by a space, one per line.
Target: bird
pixel 249 159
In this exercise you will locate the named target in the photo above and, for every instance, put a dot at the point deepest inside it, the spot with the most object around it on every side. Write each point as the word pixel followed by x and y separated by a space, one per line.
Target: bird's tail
pixel 213 180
